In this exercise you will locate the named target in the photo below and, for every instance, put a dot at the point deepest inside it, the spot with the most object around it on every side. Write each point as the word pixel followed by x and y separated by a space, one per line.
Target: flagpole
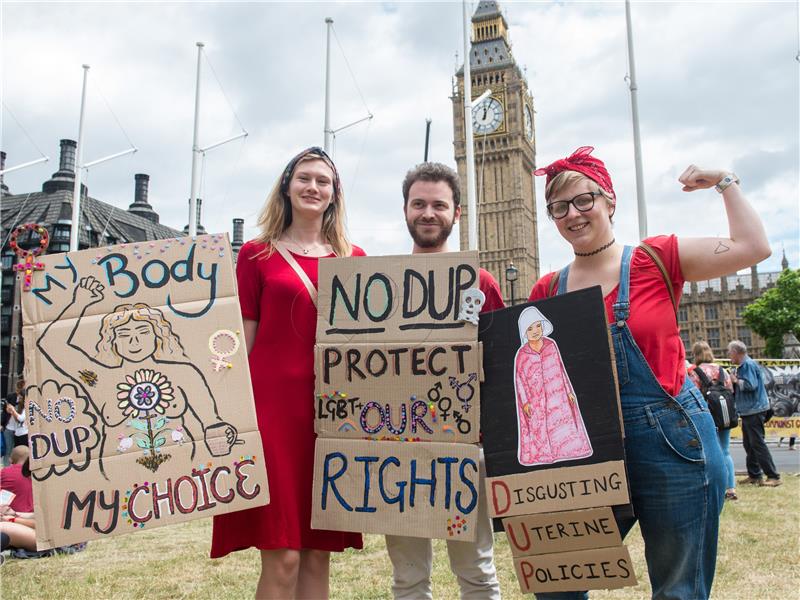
pixel 76 194
pixel 472 207
pixel 328 131
pixel 637 144
pixel 195 149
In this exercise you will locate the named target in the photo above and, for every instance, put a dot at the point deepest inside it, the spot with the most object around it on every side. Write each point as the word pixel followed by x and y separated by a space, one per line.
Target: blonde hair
pixel 701 353
pixel 276 216
pixel 168 344
pixel 567 178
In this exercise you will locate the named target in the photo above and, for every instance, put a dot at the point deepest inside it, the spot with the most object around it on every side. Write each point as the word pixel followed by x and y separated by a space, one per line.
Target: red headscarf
pixel 580 161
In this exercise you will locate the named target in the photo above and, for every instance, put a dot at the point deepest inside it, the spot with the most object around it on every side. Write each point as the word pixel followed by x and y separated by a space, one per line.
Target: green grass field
pixel 758 559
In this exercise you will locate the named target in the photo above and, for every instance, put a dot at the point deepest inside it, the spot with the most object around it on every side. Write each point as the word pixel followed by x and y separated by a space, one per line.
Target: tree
pixel 776 312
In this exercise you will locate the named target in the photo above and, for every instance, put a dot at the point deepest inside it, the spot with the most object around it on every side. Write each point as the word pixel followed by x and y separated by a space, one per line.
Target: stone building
pixel 503 127
pixel 712 310
pixel 102 224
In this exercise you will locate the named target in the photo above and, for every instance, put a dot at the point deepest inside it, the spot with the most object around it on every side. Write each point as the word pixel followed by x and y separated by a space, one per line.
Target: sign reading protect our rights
pixel 398 370
pixel 140 407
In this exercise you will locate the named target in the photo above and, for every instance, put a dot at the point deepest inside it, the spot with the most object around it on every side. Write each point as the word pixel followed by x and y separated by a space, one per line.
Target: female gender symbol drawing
pixel 29 256
pixel 549 420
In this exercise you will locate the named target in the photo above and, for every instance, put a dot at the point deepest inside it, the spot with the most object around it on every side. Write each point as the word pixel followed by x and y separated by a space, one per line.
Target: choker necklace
pixel 598 251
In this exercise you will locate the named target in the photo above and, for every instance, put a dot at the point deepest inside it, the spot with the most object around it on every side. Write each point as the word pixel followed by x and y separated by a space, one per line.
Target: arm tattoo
pixel 721 248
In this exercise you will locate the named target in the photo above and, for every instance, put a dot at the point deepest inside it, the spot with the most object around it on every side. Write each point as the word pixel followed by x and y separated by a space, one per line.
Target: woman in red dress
pixel 301 222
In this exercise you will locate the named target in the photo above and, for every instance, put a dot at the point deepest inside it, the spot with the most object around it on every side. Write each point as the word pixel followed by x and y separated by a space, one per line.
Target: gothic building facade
pixel 712 311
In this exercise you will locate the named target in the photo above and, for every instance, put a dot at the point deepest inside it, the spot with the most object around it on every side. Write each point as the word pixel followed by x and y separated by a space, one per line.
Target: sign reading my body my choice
pixel 139 403
pixel 398 362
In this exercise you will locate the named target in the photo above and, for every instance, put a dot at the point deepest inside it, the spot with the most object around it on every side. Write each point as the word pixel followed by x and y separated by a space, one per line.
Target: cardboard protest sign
pixel 425 489
pixel 600 568
pixel 398 370
pixel 140 408
pixel 554 443
pixel 411 391
pixel 562 531
pixel 551 490
pixel 553 436
pixel 383 299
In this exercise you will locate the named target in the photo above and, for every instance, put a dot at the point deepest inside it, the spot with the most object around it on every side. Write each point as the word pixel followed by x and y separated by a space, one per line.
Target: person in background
pixel 17 421
pixel 8 424
pixel 15 478
pixel 17 525
pixel 703 358
pixel 752 405
pixel 674 462
pixel 431 203
pixel 303 220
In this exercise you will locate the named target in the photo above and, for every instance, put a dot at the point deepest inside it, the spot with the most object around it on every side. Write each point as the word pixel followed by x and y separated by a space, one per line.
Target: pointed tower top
pixel 785 261
pixel 486 8
pixel 490 48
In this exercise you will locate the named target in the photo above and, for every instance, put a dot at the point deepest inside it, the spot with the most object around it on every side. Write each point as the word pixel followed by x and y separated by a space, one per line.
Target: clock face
pixel 487 116
pixel 528 122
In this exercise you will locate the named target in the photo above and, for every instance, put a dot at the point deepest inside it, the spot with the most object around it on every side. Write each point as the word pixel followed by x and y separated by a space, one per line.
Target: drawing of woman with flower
pixel 139 379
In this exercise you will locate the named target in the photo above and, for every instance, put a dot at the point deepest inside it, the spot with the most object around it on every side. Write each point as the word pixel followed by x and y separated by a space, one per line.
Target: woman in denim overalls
pixel 673 458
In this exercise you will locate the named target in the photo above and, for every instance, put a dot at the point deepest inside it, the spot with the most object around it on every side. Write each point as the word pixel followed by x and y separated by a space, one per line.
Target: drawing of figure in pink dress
pixel 549 421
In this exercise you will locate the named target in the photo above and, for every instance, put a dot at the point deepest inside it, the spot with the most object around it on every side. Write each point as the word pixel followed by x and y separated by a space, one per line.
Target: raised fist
pixel 88 291
pixel 695 178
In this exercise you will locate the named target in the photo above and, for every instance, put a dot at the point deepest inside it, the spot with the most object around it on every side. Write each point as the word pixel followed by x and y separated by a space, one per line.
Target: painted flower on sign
pixel 144 391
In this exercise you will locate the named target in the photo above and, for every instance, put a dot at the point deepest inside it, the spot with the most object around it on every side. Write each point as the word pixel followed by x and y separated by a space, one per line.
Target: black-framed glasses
pixel 582 202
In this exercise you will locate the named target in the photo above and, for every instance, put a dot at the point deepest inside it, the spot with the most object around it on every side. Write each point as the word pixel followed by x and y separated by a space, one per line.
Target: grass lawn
pixel 758 559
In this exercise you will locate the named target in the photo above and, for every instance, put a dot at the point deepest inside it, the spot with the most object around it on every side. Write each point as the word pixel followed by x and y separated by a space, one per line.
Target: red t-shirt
pixel 494 297
pixel 11 479
pixel 652 319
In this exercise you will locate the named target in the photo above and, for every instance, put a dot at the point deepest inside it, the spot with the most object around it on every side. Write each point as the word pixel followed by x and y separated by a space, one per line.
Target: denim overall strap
pixel 562 281
pixel 622 307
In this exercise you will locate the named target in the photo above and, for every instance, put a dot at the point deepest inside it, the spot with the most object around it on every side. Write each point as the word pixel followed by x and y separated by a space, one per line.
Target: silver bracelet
pixel 726 182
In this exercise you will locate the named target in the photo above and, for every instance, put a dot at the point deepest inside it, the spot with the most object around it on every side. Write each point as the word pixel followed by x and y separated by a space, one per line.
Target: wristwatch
pixel 726 182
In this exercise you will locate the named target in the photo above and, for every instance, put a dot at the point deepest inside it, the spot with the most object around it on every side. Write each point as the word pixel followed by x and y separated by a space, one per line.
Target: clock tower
pixel 505 151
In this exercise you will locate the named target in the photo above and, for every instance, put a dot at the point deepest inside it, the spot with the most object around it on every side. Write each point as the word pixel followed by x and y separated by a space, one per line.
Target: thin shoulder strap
pixel 553 284
pixel 657 260
pixel 701 375
pixel 287 256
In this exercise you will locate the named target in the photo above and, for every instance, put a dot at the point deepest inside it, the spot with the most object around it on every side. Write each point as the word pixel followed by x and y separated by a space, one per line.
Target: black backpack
pixel 719 398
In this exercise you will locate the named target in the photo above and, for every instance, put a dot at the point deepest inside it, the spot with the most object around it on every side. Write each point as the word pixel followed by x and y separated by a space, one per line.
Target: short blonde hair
pixel 701 353
pixel 567 178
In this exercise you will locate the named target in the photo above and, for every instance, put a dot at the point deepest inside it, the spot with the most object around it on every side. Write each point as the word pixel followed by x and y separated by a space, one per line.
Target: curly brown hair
pixel 168 344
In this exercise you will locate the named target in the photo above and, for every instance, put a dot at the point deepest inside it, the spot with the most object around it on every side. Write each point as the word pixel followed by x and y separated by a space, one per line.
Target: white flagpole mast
pixel 76 194
pixel 472 207
pixel 637 144
pixel 327 130
pixel 195 149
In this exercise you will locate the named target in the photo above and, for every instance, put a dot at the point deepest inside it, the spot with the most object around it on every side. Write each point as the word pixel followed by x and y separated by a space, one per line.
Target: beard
pixel 430 240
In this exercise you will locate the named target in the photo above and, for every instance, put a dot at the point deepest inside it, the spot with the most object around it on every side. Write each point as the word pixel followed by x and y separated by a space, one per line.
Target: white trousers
pixel 471 562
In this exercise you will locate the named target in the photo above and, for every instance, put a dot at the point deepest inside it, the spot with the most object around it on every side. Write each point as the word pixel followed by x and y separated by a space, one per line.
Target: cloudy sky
pixel 718 87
